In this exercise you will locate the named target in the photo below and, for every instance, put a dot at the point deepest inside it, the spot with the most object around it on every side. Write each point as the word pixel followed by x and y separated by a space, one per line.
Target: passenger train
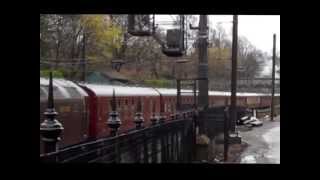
pixel 83 108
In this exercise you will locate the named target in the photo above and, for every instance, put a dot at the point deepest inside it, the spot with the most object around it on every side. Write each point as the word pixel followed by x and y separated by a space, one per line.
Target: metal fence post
pixel 226 133
pixel 138 119
pixel 145 149
pixel 194 135
pixel 163 151
pixel 178 94
pixel 162 116
pixel 154 118
pixel 50 128
pixel 114 123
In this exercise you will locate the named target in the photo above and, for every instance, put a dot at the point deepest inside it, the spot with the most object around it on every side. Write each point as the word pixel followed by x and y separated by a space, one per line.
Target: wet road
pixel 264 143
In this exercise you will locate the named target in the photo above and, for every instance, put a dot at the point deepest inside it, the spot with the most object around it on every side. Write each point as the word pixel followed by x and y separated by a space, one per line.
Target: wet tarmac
pixel 264 143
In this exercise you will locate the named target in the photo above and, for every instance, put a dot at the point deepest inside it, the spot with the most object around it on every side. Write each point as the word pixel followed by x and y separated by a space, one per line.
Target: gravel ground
pixel 263 143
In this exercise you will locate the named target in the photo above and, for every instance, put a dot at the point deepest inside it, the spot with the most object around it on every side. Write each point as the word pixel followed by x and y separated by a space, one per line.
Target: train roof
pixel 65 88
pixel 106 90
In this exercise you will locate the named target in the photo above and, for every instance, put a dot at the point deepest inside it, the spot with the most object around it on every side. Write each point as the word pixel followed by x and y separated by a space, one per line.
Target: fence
pixel 169 142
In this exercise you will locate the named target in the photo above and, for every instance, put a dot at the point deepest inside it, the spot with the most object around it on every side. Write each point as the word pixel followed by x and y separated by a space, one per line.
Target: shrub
pixel 55 73
pixel 157 83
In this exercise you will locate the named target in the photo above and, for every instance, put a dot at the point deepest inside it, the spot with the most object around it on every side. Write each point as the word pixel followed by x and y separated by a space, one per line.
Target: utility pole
pixel 182 19
pixel 234 73
pixel 203 62
pixel 83 78
pixel 273 75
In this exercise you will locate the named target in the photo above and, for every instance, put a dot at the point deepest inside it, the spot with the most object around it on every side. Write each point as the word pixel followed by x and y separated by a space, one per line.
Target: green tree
pixel 102 36
pixel 61 40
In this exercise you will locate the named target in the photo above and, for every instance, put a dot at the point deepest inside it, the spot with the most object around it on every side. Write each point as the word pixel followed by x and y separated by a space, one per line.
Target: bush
pixel 157 83
pixel 55 73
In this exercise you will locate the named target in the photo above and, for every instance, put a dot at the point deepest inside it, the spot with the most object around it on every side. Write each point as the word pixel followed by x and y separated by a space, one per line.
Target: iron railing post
pixel 178 94
pixel 114 123
pixel 50 128
pixel 145 149
pixel 154 118
pixel 226 133
pixel 138 119
pixel 154 148
pixel 162 111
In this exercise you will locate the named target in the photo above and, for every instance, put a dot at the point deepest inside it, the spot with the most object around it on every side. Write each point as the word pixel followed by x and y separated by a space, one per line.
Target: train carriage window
pixel 125 105
pixel 151 105
pixel 56 93
pixel 119 106
pixel 74 93
pixel 43 93
pixel 119 103
pixel 142 105
pixel 133 106
pixel 172 107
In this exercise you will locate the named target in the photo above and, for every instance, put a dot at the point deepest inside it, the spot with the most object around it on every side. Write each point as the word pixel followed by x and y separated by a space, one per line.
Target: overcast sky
pixel 258 29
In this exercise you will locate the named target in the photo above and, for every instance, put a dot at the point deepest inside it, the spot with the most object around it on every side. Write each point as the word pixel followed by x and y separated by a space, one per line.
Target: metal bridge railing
pixel 162 143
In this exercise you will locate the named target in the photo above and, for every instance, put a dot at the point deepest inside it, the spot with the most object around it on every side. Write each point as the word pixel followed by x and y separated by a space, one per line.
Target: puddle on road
pixel 268 152
pixel 248 159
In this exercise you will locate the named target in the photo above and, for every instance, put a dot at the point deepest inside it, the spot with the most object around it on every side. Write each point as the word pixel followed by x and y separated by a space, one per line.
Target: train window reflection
pixel 56 93
pixel 74 93
pixel 43 94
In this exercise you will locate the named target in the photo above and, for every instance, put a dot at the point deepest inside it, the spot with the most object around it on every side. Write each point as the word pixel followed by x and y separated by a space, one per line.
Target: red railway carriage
pixel 126 101
pixel 84 109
